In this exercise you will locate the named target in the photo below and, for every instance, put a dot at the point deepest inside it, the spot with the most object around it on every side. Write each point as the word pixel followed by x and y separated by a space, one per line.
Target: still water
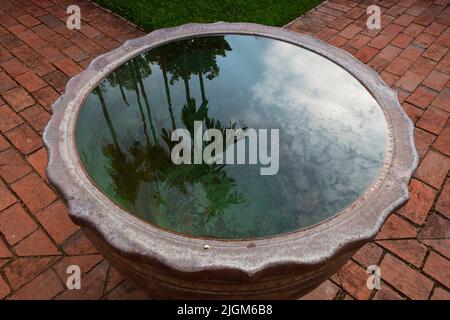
pixel 332 136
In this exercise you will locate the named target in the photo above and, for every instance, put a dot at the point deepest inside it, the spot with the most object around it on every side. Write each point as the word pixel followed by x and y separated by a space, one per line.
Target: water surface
pixel 332 136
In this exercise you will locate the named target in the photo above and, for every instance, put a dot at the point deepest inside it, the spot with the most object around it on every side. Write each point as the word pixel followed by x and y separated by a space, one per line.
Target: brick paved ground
pixel 38 54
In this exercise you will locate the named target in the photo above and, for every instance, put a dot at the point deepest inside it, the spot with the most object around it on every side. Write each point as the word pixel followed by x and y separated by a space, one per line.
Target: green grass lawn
pixel 155 14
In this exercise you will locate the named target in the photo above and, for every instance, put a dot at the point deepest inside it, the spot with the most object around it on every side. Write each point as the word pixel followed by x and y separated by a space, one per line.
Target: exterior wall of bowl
pixel 159 282
pixel 169 265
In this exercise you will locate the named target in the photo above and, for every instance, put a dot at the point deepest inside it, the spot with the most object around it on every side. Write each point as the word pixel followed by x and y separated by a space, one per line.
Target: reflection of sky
pixel 333 99
pixel 332 132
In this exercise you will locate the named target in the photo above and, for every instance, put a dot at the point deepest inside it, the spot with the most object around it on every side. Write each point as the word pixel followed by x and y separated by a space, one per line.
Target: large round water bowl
pixel 229 161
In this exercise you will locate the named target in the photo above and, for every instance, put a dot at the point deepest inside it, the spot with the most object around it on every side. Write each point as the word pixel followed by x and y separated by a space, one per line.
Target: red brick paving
pixel 38 55
pixel 411 53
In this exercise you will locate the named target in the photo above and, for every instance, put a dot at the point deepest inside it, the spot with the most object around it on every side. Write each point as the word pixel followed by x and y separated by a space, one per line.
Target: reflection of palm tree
pixel 151 162
pixel 163 65
pixel 161 57
pixel 205 51
pixel 116 79
pixel 215 182
pixel 123 76
pixel 189 57
pixel 122 170
pixel 99 93
pixel 137 79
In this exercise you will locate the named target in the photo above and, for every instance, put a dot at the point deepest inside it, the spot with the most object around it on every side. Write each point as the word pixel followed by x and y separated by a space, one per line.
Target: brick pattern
pixel 38 241
pixel 38 55
pixel 411 53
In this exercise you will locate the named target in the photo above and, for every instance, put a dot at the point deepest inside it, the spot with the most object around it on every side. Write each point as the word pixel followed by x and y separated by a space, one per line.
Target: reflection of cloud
pixel 308 86
pixel 334 131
